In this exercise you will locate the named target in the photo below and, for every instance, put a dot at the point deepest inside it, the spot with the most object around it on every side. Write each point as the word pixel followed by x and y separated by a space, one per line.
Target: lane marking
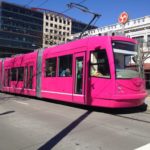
pixel 144 147
pixel 22 102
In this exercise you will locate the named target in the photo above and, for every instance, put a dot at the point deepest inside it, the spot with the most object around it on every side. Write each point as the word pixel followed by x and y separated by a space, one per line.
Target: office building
pixel 56 27
pixel 23 30
pixel 20 29
pixel 78 26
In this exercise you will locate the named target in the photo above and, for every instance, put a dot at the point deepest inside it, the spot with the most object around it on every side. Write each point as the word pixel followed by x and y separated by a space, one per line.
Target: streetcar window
pixel 6 77
pixel 65 66
pixel 50 70
pixel 20 73
pixel 26 77
pixel 13 74
pixel 99 66
pixel 30 77
pixel 125 58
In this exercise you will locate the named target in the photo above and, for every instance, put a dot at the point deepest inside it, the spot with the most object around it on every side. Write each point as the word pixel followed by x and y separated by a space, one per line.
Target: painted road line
pixel 144 147
pixel 23 103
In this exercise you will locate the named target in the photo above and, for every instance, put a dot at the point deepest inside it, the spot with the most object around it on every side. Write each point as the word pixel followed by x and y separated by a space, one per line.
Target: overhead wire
pixel 42 3
pixel 28 3
pixel 66 10
pixel 82 1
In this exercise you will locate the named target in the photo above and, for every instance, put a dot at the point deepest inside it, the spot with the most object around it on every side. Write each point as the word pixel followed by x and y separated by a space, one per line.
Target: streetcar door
pixel 28 80
pixel 79 78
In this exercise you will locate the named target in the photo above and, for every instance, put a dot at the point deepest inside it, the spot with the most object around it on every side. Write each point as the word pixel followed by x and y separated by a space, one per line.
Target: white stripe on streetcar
pixel 62 93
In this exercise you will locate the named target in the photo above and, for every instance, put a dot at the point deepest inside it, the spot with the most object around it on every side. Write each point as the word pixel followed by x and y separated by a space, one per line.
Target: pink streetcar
pixel 94 71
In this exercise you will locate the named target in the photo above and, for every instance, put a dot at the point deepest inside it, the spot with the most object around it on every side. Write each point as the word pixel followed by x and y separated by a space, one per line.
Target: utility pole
pixel 85 10
pixel 123 19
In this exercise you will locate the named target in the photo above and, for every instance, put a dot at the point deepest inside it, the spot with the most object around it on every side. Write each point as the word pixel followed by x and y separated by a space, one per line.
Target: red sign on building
pixel 123 18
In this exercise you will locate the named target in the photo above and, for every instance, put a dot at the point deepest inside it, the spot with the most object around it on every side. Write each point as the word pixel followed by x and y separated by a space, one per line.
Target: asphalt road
pixel 31 124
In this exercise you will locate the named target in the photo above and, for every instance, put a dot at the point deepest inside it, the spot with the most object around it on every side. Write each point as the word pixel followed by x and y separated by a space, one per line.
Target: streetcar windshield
pixel 124 56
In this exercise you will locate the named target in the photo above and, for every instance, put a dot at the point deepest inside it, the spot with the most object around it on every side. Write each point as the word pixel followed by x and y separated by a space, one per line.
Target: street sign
pixel 123 18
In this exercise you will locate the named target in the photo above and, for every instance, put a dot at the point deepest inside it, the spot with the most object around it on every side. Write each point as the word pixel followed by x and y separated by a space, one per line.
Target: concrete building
pixel 135 28
pixel 138 29
pixel 56 27
pixel 20 29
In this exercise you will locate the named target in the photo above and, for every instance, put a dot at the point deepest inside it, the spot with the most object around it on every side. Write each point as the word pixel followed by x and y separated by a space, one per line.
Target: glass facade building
pixel 78 26
pixel 21 29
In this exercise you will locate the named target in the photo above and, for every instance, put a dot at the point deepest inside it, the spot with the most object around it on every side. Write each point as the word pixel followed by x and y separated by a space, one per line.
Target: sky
pixel 109 9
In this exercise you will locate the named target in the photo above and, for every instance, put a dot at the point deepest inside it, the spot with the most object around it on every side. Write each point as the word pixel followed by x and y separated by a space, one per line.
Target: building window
pixel 65 66
pixel 46 23
pixel 143 19
pixel 50 67
pixel 60 32
pixel 46 17
pixel 148 41
pixel 51 18
pixel 99 66
pixel 147 78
